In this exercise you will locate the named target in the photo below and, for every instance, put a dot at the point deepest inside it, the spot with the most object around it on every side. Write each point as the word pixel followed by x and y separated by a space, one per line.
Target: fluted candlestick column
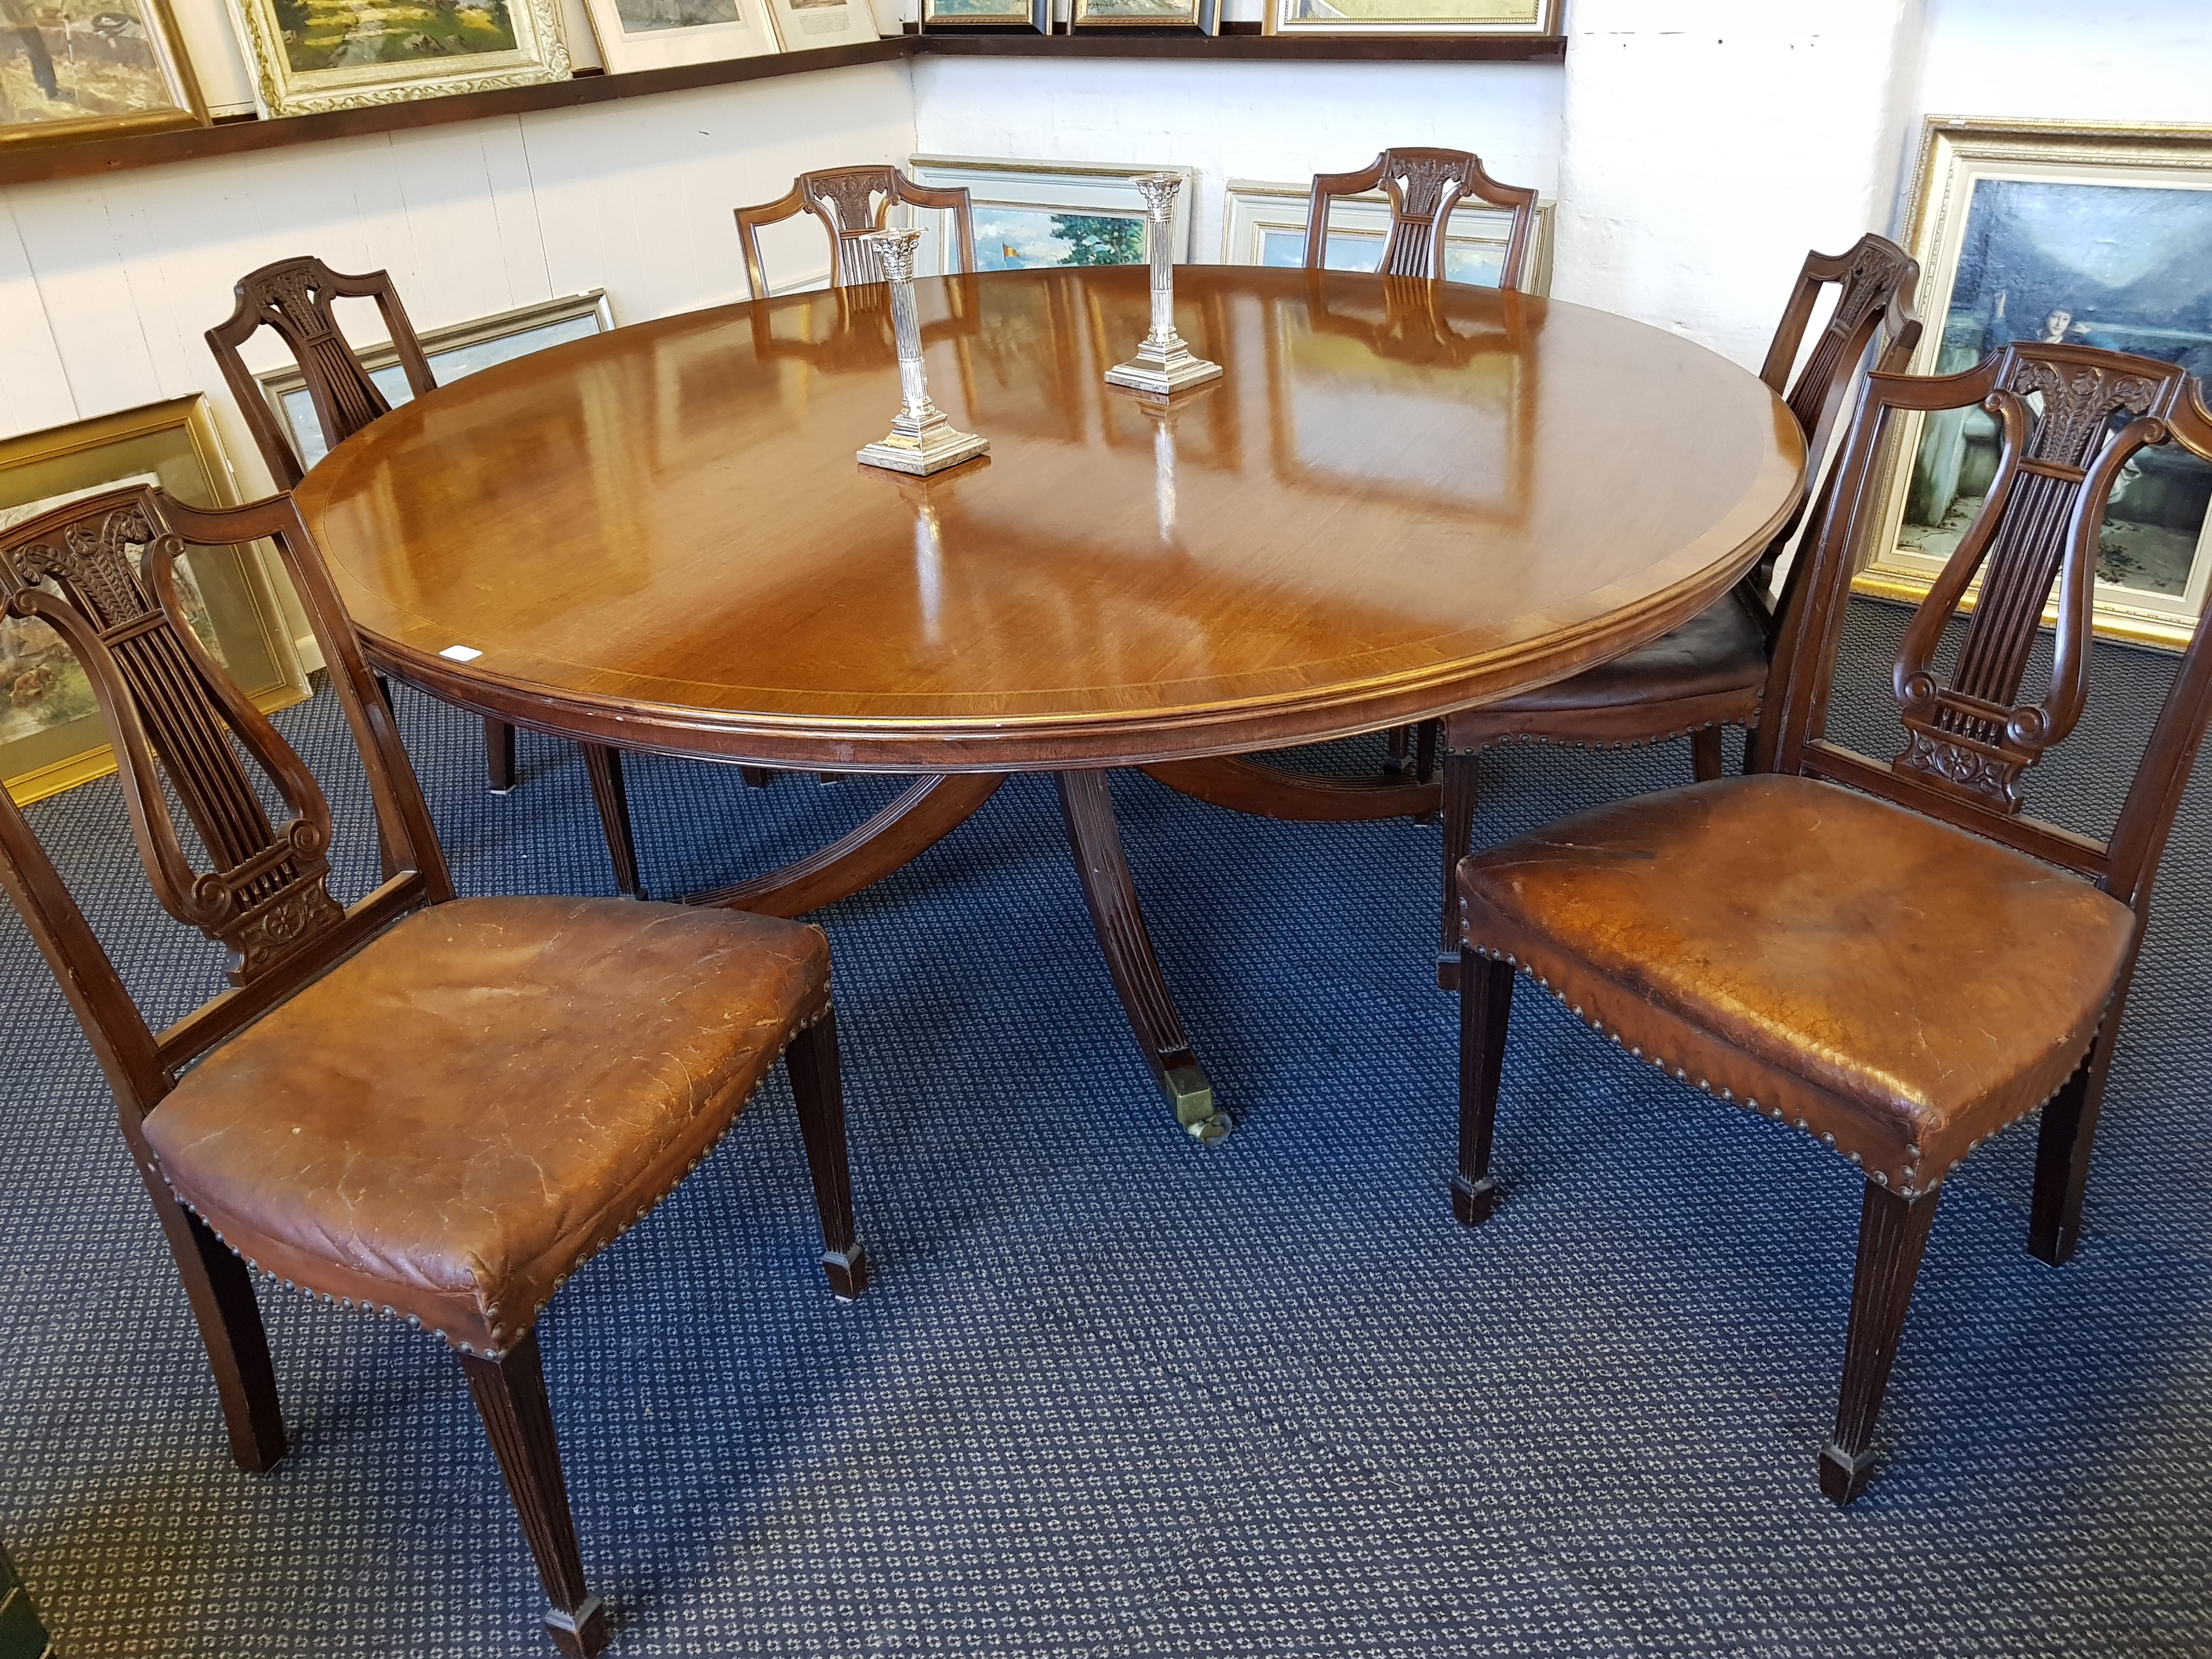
pixel 1163 363
pixel 921 441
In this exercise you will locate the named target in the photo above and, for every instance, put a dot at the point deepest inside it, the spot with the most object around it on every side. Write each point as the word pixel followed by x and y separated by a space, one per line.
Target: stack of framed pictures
pixel 52 735
pixel 1265 224
pixel 2092 235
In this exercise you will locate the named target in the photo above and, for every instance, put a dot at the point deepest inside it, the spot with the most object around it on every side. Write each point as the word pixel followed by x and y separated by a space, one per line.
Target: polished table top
pixel 1402 497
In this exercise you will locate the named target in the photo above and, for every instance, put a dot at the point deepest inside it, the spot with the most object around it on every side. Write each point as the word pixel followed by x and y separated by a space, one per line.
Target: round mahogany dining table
pixel 1402 497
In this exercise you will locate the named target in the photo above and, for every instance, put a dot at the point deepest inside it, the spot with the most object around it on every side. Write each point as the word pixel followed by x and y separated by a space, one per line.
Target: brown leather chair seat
pixel 1721 650
pixel 449 1122
pixel 1882 979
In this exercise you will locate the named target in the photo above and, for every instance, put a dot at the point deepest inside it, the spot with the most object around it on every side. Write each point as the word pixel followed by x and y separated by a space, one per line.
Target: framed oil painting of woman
pixel 2094 235
pixel 314 55
pixel 51 733
pixel 92 69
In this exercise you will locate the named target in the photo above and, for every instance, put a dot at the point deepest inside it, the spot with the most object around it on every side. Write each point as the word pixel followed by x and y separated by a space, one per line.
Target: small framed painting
pixel 457 349
pixel 1508 17
pixel 1265 224
pixel 309 56
pixel 987 16
pixel 648 34
pixel 806 25
pixel 1147 16
pixel 1033 214
pixel 51 736
pixel 2092 235
pixel 94 68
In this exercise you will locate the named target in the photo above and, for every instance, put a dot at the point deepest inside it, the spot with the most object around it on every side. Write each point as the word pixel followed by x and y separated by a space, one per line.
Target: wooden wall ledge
pixel 97 157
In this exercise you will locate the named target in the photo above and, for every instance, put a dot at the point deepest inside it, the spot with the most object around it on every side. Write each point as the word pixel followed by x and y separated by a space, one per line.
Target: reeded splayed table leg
pixel 1119 920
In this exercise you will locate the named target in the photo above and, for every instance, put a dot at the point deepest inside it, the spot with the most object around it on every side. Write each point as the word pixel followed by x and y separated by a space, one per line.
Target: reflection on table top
pixel 1400 498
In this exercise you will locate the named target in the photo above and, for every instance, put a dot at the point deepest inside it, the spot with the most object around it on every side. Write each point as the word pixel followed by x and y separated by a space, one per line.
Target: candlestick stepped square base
pixel 923 451
pixel 1161 374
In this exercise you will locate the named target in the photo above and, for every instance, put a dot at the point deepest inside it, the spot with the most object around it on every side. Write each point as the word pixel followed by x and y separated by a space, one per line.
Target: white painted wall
pixel 1708 143
pixel 2144 62
pixel 107 284
pixel 1281 123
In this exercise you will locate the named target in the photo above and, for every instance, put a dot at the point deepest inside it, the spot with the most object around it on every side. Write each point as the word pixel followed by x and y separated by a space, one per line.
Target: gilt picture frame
pixel 2103 236
pixel 313 56
pixel 1145 16
pixel 987 16
pixel 1537 18
pixel 95 68
pixel 1265 224
pixel 52 737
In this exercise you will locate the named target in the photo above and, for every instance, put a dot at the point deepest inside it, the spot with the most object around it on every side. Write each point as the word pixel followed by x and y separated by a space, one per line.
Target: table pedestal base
pixel 930 809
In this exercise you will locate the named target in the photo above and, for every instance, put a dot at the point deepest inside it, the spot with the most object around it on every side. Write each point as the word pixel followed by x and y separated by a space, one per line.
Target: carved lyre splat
pixel 2068 423
pixel 1877 277
pixel 1424 186
pixel 102 573
pixel 850 201
pixel 293 297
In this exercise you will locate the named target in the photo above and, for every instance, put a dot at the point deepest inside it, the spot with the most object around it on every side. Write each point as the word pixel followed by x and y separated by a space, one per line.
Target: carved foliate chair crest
pixel 293 297
pixel 2068 419
pixel 102 573
pixel 1424 186
pixel 850 201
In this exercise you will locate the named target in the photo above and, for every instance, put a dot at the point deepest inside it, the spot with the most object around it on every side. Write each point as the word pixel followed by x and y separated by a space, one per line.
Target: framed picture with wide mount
pixel 1412 17
pixel 2096 235
pixel 51 736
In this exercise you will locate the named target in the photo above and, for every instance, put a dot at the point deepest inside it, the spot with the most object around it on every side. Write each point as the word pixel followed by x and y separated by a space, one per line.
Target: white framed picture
pixel 1265 224
pixel 648 34
pixel 451 352
pixel 1036 215
pixel 810 25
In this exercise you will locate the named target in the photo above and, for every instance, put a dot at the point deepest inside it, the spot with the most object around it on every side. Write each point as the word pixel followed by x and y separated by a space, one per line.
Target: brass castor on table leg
pixel 1192 1095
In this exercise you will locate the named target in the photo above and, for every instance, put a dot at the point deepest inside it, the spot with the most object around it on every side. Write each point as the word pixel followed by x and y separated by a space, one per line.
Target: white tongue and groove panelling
pixel 106 285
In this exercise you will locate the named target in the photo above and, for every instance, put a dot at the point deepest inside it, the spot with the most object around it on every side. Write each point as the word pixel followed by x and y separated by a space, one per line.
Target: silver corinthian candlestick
pixel 921 441
pixel 1163 363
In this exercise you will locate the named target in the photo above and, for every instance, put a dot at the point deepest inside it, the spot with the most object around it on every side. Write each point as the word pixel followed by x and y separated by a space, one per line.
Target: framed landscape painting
pixel 2096 236
pixel 1265 224
pixel 1147 16
pixel 806 25
pixel 1034 213
pixel 93 69
pixel 457 349
pixel 51 736
pixel 999 16
pixel 646 34
pixel 1411 16
pixel 314 55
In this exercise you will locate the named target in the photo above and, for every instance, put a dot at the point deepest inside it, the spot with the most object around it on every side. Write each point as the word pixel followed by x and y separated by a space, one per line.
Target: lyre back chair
pixel 1891 956
pixel 1708 675
pixel 1424 186
pixel 850 201
pixel 293 298
pixel 434 1107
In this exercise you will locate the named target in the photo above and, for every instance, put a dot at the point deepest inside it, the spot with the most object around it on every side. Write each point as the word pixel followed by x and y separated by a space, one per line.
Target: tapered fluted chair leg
pixel 1485 1007
pixel 1892 1235
pixel 510 1396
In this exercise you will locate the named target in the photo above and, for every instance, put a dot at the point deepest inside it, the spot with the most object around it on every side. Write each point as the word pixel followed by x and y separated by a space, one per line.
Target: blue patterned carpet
pixel 1112 1394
